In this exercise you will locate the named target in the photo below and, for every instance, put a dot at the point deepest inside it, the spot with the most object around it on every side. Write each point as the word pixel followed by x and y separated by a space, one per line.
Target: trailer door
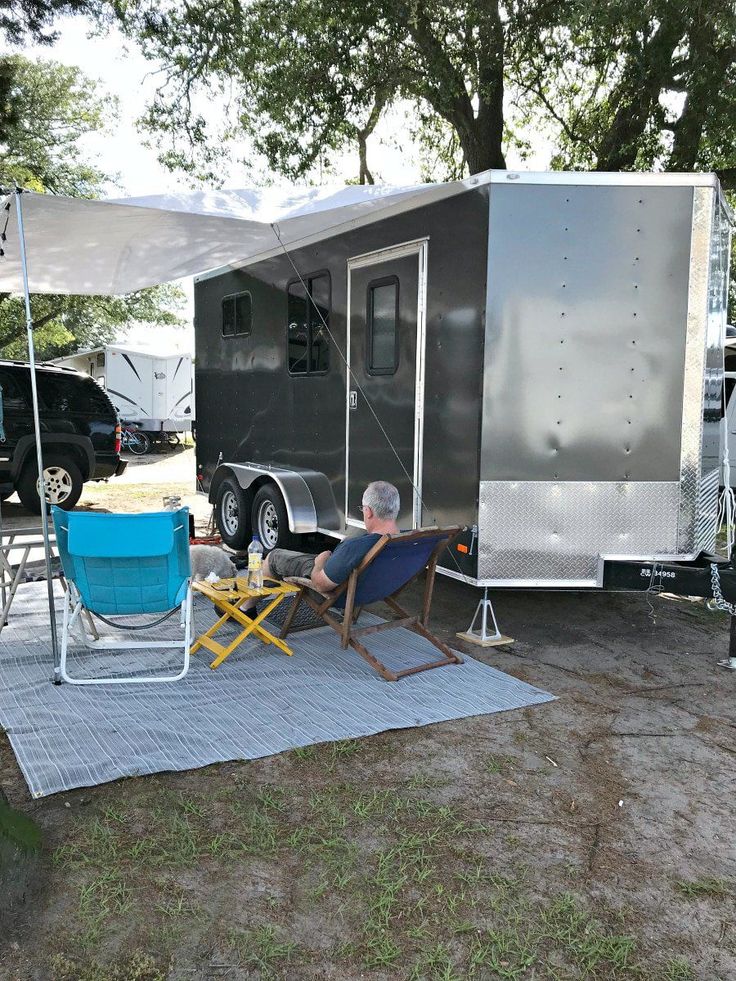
pixel 385 383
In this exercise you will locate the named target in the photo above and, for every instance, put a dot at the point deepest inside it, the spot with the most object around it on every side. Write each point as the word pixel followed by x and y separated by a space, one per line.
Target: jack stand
pixel 482 637
pixel 730 661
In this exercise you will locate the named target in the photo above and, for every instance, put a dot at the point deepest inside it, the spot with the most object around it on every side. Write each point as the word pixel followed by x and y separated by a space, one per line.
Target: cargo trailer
pixel 535 357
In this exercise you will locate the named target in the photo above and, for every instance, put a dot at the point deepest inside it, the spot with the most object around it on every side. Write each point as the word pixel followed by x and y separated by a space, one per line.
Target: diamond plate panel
pixel 554 531
pixel 695 360
pixel 707 526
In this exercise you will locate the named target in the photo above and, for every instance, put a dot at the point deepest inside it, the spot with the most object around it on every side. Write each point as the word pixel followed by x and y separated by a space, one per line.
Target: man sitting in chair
pixel 328 570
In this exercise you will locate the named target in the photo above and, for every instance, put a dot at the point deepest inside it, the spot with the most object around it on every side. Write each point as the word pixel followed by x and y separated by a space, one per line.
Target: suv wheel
pixel 231 513
pixel 63 479
pixel 269 519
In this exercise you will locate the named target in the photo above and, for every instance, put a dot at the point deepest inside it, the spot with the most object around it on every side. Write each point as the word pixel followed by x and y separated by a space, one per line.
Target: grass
pixel 678 969
pixel 413 883
pixel 699 888
pixel 265 949
pixel 497 764
pixel 138 967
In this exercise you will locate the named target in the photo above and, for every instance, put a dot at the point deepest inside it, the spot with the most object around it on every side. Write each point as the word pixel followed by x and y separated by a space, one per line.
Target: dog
pixel 211 562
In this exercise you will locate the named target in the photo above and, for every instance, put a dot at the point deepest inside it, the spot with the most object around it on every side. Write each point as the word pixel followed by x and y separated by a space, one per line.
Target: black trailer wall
pixel 250 408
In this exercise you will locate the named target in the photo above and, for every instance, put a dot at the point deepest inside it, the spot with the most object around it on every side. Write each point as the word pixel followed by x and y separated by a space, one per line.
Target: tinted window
pixel 298 330
pixel 383 326
pixel 15 394
pixel 320 315
pixel 57 393
pixel 237 314
pixel 308 322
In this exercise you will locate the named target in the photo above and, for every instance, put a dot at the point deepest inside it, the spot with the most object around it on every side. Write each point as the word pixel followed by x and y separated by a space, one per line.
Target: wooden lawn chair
pixel 388 568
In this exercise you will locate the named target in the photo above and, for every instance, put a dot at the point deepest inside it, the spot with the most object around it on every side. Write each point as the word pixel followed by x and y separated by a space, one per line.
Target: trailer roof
pixel 78 246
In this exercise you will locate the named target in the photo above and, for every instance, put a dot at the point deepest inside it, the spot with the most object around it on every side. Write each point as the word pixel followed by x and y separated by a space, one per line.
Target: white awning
pixel 77 246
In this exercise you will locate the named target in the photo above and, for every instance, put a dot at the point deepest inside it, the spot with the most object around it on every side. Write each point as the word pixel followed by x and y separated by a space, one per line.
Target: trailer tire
pixel 270 520
pixel 231 513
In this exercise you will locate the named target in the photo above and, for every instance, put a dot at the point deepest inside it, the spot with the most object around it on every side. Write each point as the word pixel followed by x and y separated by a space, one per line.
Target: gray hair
pixel 383 499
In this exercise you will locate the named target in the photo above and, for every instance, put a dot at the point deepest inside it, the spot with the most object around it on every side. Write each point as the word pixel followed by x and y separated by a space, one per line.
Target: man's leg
pixel 279 564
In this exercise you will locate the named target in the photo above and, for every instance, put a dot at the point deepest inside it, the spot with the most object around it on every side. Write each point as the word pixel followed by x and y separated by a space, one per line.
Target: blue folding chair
pixel 386 570
pixel 124 565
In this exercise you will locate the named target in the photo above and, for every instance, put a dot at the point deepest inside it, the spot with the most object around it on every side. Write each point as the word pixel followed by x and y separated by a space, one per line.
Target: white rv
pixel 155 392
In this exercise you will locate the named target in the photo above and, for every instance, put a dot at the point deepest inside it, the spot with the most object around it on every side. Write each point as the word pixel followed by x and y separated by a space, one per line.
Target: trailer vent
pixel 706 527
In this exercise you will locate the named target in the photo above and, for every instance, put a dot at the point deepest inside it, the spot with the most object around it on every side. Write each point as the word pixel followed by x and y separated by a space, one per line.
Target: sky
pixel 123 72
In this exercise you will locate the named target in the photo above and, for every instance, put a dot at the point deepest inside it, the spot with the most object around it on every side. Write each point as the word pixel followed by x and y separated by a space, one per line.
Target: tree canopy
pixel 625 84
pixel 57 106
pixel 23 21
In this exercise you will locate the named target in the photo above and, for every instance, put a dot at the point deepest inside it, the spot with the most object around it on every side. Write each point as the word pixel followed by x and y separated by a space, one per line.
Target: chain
pixel 653 589
pixel 718 599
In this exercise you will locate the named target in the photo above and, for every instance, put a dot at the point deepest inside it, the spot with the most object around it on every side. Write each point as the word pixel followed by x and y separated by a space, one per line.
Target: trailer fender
pixel 310 503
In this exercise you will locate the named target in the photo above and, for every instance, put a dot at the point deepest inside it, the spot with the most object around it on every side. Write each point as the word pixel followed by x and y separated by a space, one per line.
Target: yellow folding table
pixel 227 595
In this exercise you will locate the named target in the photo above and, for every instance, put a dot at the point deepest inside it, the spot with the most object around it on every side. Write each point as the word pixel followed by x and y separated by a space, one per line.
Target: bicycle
pixel 135 441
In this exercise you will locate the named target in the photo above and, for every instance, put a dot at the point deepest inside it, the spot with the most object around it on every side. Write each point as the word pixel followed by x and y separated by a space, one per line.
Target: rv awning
pixel 77 246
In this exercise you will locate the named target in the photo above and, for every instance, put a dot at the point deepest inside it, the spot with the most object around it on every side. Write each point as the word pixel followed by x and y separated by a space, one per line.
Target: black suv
pixel 80 434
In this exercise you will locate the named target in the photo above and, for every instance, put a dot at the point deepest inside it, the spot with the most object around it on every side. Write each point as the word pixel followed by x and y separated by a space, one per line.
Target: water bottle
pixel 255 564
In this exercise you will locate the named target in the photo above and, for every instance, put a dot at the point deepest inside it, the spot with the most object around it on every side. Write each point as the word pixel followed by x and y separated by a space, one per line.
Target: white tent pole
pixel 37 428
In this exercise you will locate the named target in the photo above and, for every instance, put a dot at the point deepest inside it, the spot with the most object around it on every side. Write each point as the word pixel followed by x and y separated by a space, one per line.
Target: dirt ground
pixel 591 837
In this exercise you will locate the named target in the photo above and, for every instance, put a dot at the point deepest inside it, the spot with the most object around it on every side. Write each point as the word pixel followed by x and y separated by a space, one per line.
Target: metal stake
pixel 37 426
pixel 730 661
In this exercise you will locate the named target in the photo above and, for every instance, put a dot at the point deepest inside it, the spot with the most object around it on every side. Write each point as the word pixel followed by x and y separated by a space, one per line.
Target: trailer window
pixel 308 319
pixel 382 319
pixel 237 314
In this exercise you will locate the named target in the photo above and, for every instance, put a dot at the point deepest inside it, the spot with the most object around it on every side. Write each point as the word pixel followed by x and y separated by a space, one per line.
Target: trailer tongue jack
pixel 710 576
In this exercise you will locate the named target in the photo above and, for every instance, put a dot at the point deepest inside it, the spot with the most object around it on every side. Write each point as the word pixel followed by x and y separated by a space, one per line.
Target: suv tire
pixel 64 483
pixel 231 514
pixel 270 520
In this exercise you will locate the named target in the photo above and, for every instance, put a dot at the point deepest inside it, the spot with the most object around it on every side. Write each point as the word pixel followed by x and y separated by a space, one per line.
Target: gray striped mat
pixel 258 702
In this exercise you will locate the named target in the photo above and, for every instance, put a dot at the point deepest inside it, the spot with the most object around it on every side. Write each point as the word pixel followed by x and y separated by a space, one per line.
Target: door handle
pixel 353 400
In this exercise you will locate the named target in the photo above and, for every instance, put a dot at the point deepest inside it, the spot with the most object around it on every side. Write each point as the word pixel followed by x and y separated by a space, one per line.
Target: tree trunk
pixel 635 97
pixel 704 47
pixel 365 176
pixel 486 153
pixel 480 135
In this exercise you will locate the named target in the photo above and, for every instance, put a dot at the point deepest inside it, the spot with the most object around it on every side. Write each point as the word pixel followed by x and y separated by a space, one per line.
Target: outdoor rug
pixel 258 702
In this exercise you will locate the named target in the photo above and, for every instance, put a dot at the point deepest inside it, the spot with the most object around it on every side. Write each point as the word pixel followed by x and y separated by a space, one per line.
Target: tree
pixel 310 76
pixel 64 324
pixel 636 84
pixel 57 106
pixel 31 20
pixel 620 85
pixel 28 21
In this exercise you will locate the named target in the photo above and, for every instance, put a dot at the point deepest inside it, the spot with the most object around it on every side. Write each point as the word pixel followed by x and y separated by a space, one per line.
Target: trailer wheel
pixel 269 518
pixel 231 513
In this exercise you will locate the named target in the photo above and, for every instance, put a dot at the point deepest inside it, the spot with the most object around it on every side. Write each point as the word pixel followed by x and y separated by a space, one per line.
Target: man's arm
pixel 320 580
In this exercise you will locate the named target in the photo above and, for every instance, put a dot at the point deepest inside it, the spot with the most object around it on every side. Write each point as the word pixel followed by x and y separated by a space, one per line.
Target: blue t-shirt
pixel 347 556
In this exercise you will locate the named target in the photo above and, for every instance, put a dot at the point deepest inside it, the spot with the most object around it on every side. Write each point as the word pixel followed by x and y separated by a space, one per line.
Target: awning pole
pixel 37 427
